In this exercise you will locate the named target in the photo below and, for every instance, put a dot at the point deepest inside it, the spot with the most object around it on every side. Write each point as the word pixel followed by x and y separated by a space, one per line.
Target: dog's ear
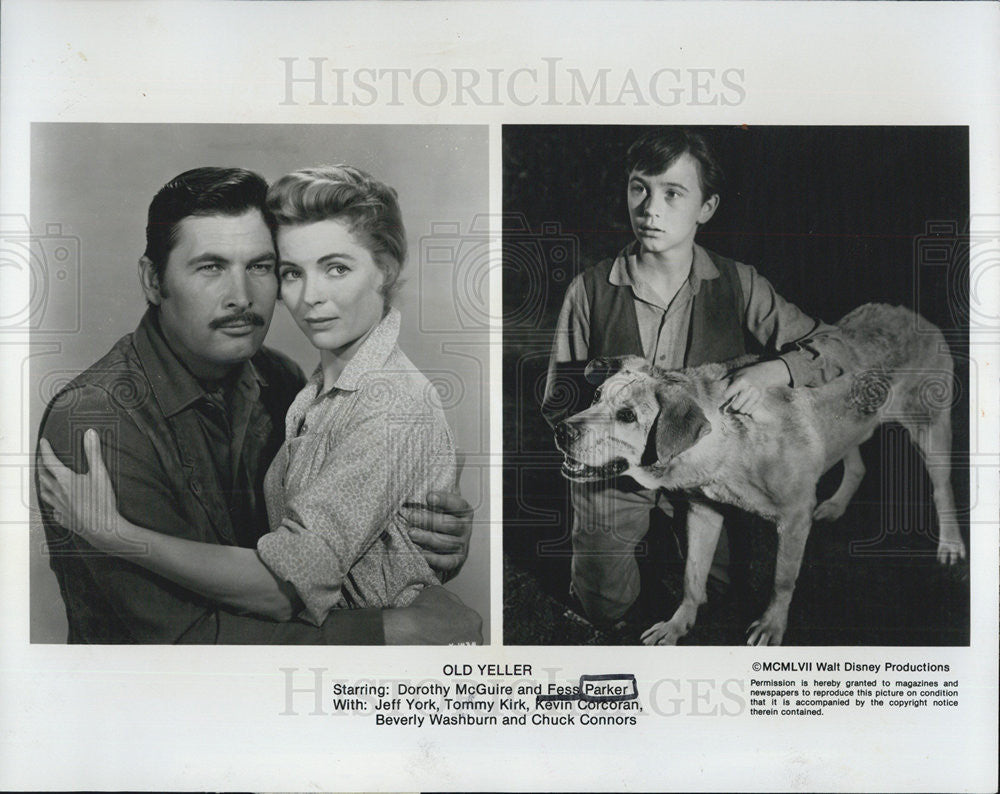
pixel 680 424
pixel 600 369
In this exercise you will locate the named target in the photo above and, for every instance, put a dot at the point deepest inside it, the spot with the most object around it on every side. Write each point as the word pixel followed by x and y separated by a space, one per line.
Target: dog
pixel 668 429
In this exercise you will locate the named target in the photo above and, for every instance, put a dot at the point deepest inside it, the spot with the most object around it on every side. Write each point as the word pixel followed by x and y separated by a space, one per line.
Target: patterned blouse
pixel 352 457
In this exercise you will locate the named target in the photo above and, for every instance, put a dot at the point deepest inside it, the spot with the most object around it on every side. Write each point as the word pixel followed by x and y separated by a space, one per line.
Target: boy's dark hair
pixel 656 151
pixel 199 192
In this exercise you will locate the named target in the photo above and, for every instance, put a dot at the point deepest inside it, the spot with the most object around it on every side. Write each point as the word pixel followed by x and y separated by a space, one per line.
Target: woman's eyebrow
pixel 329 257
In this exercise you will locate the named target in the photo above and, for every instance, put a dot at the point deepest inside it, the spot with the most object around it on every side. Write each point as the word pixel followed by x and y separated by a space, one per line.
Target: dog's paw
pixel 830 510
pixel 950 550
pixel 766 631
pixel 662 633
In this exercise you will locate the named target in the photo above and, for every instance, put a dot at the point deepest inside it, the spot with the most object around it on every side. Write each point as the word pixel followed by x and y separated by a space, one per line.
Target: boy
pixel 678 305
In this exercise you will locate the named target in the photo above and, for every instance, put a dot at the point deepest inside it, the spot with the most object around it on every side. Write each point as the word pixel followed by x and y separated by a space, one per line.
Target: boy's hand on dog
pixel 747 385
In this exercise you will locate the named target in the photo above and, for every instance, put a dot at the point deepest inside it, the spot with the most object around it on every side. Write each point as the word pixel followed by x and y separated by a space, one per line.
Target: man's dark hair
pixel 656 151
pixel 200 191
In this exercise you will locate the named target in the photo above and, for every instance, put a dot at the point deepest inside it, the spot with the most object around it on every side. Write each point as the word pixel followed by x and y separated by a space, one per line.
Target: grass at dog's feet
pixel 533 617
pixel 850 592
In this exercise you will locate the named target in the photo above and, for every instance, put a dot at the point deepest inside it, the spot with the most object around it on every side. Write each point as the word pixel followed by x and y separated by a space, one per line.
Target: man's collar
pixel 371 354
pixel 702 268
pixel 174 387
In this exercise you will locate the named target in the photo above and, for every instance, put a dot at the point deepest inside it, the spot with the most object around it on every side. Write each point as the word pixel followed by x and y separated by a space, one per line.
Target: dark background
pixel 834 217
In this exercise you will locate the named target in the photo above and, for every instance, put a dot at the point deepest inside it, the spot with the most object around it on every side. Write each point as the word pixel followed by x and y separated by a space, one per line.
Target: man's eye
pixel 597 396
pixel 261 267
pixel 626 415
pixel 210 267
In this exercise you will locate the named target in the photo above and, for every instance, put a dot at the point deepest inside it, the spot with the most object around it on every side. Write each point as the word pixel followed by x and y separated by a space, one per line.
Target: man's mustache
pixel 243 318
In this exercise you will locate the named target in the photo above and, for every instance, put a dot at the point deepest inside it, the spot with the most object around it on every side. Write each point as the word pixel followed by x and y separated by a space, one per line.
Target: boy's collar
pixel 702 268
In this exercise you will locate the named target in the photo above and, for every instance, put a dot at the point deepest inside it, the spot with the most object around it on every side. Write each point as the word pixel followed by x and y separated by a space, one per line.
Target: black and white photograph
pixel 473 396
pixel 207 476
pixel 736 382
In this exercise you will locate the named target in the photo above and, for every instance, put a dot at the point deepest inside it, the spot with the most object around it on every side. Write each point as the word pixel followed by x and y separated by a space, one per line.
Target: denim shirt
pixel 150 414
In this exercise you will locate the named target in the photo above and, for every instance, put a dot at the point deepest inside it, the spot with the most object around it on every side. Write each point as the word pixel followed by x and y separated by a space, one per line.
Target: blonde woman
pixel 365 436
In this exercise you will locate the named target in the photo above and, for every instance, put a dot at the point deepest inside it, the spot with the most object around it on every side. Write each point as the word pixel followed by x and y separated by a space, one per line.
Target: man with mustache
pixel 190 409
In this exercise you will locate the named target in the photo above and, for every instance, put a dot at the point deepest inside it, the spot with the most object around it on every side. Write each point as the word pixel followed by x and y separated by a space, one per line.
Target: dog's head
pixel 641 416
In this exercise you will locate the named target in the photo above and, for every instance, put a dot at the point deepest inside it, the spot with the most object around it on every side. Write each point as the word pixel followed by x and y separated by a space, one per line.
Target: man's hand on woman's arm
pixel 435 617
pixel 441 531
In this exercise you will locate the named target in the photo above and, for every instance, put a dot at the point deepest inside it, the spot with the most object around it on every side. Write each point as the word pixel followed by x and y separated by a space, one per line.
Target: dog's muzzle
pixel 576 471
pixel 567 434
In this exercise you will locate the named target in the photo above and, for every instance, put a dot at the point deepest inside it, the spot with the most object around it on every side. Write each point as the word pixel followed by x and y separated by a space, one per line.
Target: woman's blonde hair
pixel 343 191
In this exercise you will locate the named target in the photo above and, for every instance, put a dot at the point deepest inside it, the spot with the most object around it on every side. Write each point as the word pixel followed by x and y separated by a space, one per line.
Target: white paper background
pixel 209 718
